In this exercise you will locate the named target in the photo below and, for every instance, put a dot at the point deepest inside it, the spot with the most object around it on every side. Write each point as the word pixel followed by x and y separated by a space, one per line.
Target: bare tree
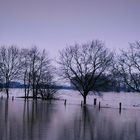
pixel 34 68
pixel 37 72
pixel 10 65
pixel 84 64
pixel 129 66
pixel 45 80
pixel 25 72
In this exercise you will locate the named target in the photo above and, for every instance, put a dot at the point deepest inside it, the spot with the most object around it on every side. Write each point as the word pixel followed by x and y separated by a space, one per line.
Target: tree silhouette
pixel 10 65
pixel 37 73
pixel 84 64
pixel 129 66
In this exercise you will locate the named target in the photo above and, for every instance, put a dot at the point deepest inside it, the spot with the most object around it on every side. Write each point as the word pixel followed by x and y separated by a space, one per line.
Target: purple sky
pixel 53 24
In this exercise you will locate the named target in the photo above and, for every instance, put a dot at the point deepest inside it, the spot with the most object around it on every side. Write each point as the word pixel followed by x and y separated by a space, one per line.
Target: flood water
pixel 42 120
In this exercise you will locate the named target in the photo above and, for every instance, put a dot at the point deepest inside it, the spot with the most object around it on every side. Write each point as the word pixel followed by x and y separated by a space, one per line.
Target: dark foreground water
pixel 31 120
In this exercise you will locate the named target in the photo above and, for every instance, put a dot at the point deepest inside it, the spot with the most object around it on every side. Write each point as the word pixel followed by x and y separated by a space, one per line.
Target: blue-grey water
pixel 42 120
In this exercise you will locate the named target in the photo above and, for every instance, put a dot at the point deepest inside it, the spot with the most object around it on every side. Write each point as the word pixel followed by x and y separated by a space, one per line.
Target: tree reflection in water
pixel 81 128
pixel 40 120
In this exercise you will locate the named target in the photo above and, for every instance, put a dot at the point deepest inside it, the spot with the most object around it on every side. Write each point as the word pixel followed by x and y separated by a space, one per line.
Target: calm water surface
pixel 31 120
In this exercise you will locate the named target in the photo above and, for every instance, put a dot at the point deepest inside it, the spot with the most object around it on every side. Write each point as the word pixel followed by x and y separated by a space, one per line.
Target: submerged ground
pixel 45 120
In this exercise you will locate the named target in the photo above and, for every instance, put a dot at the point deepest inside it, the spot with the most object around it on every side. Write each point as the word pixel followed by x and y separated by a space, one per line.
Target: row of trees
pixel 30 66
pixel 88 67
pixel 85 66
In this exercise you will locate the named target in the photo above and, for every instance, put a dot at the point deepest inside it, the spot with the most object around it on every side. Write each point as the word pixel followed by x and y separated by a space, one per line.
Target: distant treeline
pixel 108 83
pixel 13 84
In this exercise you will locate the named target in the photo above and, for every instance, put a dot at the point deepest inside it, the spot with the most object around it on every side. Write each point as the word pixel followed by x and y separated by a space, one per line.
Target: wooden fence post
pixel 12 98
pixel 99 105
pixel 65 102
pixel 95 101
pixel 120 107
pixel 81 103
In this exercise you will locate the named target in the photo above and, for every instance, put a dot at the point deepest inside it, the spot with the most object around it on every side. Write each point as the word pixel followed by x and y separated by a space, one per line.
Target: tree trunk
pixel 7 88
pixel 7 92
pixel 85 99
pixel 28 85
pixel 25 88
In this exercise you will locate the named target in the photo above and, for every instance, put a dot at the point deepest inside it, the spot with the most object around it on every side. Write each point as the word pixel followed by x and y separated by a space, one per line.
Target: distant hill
pixel 63 87
pixel 15 84
pixel 12 84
